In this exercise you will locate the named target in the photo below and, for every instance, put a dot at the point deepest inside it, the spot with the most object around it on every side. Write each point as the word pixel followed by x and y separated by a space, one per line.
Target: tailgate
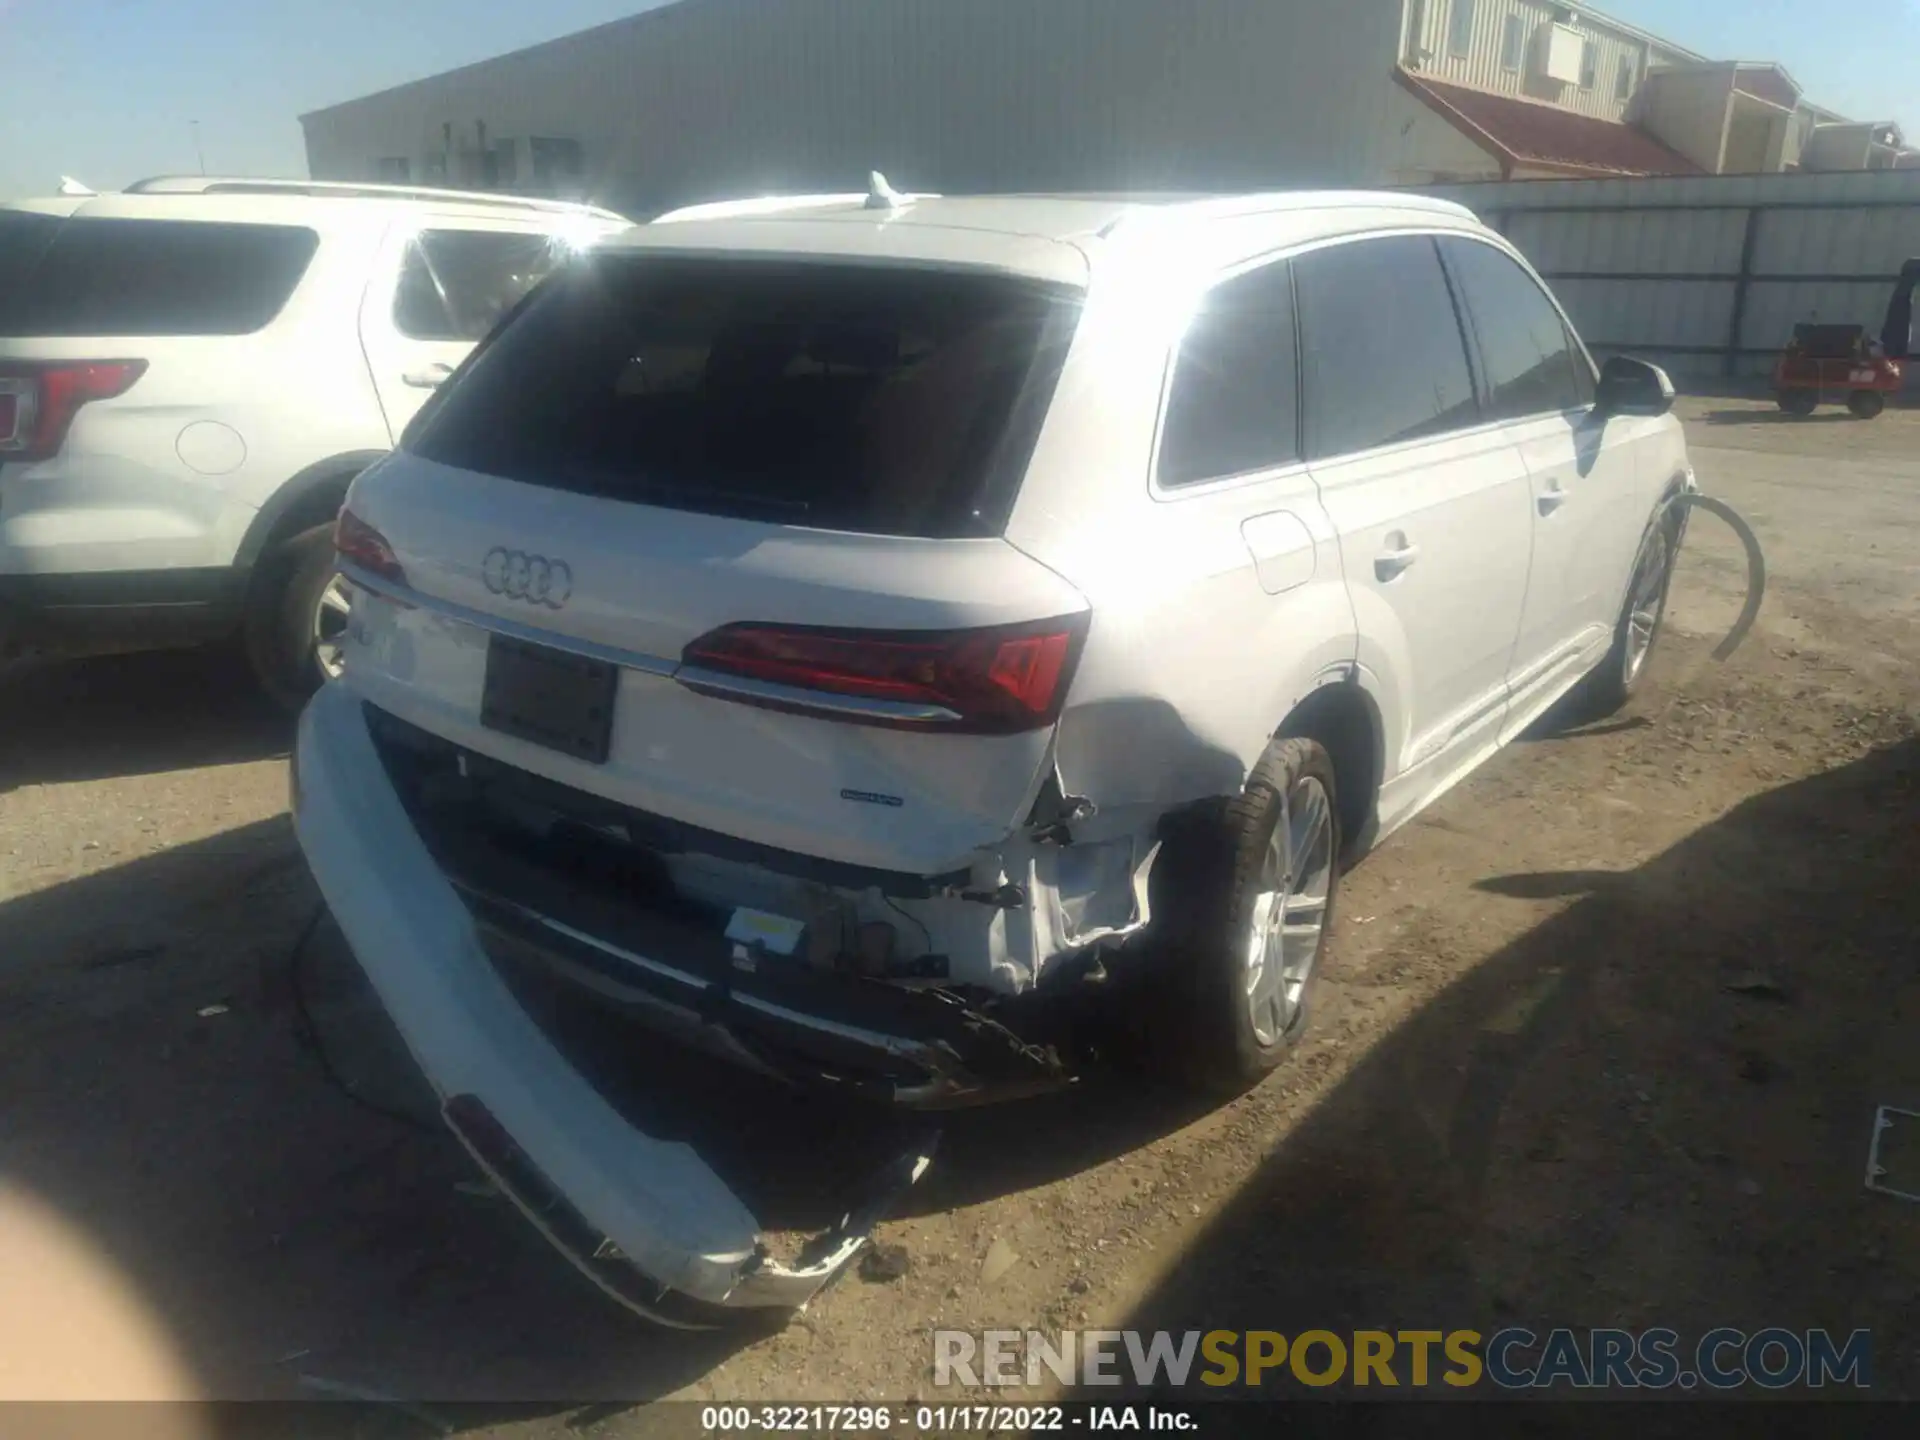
pixel 640 584
pixel 783 482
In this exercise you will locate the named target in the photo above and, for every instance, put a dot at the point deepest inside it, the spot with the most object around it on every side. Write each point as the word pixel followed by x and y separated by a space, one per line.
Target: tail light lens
pixel 361 545
pixel 45 398
pixel 999 681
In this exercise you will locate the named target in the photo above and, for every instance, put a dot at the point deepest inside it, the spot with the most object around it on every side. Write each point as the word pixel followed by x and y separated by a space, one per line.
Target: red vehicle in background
pixel 1835 361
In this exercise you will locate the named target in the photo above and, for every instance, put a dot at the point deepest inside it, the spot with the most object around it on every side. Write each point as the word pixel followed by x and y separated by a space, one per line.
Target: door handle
pixel 428 377
pixel 1552 500
pixel 1390 563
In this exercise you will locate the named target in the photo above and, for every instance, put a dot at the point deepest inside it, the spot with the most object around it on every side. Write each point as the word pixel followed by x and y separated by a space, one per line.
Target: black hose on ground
pixel 1756 565
pixel 307 1033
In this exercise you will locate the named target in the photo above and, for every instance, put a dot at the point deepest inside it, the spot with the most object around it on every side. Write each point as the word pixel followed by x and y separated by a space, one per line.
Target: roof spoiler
pixel 879 195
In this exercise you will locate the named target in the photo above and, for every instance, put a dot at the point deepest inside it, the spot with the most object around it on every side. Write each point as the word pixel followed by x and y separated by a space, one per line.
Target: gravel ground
pixel 1530 1095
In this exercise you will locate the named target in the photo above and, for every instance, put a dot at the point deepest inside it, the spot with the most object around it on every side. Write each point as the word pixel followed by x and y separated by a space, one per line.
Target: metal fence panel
pixel 1710 274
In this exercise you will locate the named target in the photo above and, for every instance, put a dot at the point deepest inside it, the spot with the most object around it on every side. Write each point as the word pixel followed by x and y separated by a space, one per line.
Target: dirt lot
pixel 1531 1095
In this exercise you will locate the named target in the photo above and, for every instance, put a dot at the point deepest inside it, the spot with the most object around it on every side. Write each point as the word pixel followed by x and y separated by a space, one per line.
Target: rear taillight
pixel 999 681
pixel 361 545
pixel 45 398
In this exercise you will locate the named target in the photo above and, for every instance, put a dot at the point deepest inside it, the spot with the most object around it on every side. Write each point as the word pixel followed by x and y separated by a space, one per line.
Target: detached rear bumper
pixel 602 919
pixel 647 1220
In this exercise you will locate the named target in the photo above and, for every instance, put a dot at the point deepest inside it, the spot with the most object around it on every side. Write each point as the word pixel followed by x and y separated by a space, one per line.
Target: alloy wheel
pixel 1649 599
pixel 1290 912
pixel 330 628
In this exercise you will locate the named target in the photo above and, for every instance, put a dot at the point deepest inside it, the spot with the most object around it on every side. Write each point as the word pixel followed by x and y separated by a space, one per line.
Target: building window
pixel 393 170
pixel 1623 87
pixel 1589 64
pixel 1513 42
pixel 557 164
pixel 1460 30
pixel 1416 31
pixel 499 165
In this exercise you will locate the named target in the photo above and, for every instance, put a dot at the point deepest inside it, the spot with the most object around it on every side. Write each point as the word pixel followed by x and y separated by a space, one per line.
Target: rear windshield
pixel 888 401
pixel 147 277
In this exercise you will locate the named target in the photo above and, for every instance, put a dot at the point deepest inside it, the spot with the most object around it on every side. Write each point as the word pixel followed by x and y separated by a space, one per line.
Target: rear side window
pixel 157 277
pixel 1234 403
pixel 1532 365
pixel 1382 357
pixel 884 400
pixel 454 284
pixel 24 236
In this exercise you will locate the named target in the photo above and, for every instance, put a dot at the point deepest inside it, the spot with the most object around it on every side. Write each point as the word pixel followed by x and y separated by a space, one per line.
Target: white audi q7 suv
pixel 854 634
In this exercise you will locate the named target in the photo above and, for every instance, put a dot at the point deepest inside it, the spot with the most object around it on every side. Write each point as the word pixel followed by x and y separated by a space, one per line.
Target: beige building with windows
pixel 1536 89
pixel 706 99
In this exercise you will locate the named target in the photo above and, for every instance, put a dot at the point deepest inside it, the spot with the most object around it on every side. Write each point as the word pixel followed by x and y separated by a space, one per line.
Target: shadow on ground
pixel 1590 1128
pixel 1829 414
pixel 132 715
pixel 290 1234
pixel 1653 1109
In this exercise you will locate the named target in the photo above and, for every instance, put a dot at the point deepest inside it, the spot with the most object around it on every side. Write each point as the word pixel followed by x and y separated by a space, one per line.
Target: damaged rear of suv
pixel 827 635
pixel 691 666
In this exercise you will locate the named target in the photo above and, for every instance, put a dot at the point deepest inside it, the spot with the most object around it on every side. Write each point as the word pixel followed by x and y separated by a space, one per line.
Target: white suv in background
pixel 857 637
pixel 192 371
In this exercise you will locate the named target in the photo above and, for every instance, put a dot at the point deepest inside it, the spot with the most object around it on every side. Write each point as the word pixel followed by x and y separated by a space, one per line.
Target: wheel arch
pixel 1346 720
pixel 312 496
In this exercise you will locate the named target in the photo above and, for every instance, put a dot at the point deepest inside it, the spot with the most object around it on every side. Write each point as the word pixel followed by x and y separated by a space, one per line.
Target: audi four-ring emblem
pixel 532 578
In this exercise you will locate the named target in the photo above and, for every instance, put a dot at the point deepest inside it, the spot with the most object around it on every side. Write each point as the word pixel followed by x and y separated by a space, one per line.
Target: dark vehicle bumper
pixel 111 612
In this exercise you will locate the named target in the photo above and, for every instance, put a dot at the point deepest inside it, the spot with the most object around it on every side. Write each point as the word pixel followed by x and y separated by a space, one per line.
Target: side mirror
pixel 1632 387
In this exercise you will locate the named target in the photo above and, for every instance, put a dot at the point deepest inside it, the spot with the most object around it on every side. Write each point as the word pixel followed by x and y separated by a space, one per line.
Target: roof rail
pixel 338 190
pixel 1229 206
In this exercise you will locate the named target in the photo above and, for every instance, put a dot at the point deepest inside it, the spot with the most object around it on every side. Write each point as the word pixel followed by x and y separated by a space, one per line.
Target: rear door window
pixel 454 284
pixel 886 400
pixel 154 277
pixel 1382 356
pixel 1532 365
pixel 1234 403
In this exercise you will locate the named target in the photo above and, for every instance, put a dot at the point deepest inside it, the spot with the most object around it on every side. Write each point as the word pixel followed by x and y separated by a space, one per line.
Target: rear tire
pixel 1614 681
pixel 295 617
pixel 1243 900
pixel 1866 404
pixel 1798 402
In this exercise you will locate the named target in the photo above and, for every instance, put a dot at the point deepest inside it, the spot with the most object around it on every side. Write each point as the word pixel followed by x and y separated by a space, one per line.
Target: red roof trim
pixel 1531 134
pixel 1437 102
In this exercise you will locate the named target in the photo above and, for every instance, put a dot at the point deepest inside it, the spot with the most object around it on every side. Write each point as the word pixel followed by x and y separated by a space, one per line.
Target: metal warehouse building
pixel 710 99
pixel 705 99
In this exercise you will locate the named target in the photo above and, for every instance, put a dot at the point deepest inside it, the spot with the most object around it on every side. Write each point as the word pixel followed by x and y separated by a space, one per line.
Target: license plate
pixel 552 698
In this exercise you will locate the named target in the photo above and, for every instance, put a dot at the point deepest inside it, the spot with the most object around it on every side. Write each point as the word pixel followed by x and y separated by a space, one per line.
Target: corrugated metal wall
pixel 714 98
pixel 1710 275
pixel 1481 67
